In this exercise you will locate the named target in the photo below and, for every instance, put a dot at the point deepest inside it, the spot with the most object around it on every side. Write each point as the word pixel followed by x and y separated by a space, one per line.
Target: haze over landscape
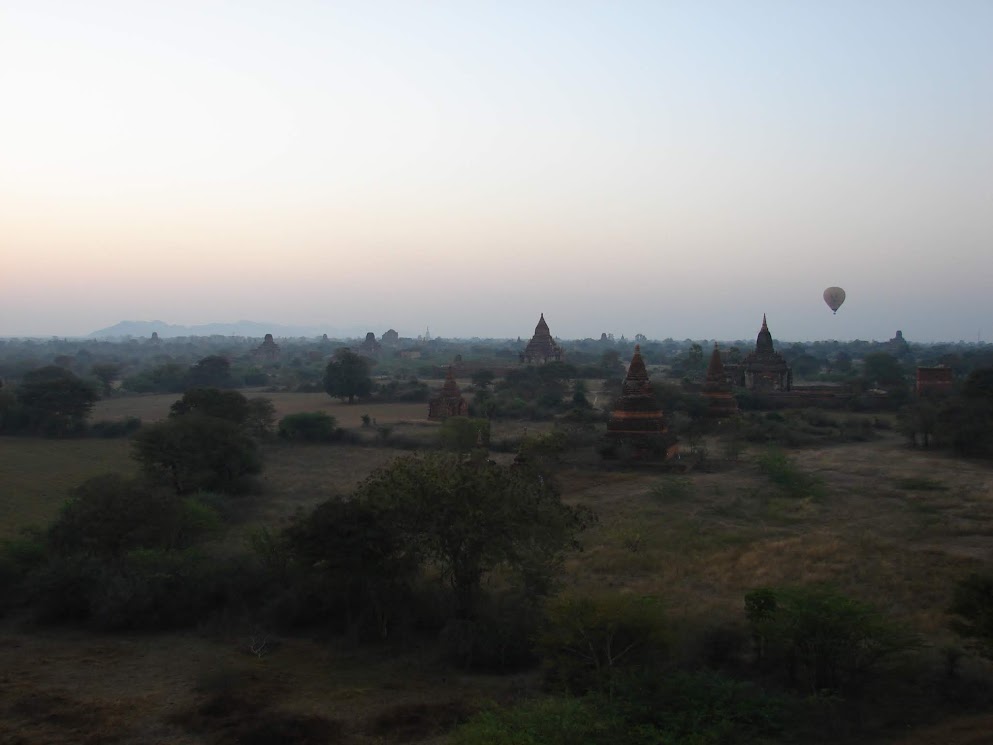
pixel 673 169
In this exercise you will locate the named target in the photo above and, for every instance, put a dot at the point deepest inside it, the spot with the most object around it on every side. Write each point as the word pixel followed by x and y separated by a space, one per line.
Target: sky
pixel 675 169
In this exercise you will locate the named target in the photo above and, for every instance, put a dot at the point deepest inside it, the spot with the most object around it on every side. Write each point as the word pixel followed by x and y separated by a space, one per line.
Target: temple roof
pixel 765 357
pixel 450 389
pixel 542 328
pixel 542 346
pixel 637 410
pixel 717 378
pixel 763 344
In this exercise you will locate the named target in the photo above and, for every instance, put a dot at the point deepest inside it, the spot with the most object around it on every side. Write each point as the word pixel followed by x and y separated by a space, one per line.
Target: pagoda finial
pixel 637 348
pixel 765 326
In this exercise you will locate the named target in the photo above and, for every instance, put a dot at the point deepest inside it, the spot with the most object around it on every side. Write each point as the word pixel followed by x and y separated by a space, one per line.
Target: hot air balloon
pixel 834 297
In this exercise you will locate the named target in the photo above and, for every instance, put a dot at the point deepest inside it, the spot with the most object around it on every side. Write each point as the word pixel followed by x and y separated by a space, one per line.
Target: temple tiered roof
pixel 717 388
pixel 637 410
pixel 449 401
pixel 766 369
pixel 268 350
pixel 542 347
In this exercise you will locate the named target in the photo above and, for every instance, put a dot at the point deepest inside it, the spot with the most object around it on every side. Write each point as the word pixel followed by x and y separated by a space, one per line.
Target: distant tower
pixel 542 347
pixel 717 389
pixel 637 418
pixel 765 369
pixel 449 401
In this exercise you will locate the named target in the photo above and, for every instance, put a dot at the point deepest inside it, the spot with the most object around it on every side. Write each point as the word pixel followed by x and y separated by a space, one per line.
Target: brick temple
pixel 268 351
pixel 542 347
pixel 765 369
pixel 637 418
pixel 449 401
pixel 717 389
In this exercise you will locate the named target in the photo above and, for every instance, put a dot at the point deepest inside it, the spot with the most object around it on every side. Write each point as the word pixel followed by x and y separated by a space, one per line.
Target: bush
pixel 108 516
pixel 788 477
pixel 461 434
pixel 589 642
pixel 973 607
pixel 821 640
pixel 548 721
pixel 499 639
pixel 144 589
pixel 115 427
pixel 313 426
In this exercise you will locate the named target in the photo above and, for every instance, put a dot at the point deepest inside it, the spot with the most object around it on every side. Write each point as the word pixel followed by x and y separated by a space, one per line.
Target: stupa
pixel 542 347
pixel 765 369
pixel 637 417
pixel 267 351
pixel 449 401
pixel 717 389
pixel 369 347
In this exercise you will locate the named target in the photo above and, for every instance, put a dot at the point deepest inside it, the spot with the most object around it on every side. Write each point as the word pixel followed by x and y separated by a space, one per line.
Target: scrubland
pixel 882 523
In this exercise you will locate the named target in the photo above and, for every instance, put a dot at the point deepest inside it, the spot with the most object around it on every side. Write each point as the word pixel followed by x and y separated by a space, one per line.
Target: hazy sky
pixel 666 168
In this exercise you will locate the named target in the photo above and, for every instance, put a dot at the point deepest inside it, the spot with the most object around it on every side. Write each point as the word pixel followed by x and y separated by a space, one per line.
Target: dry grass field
pixel 36 475
pixel 890 525
pixel 152 407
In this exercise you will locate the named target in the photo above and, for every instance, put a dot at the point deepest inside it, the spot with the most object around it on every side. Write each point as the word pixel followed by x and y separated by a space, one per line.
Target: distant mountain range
pixel 238 328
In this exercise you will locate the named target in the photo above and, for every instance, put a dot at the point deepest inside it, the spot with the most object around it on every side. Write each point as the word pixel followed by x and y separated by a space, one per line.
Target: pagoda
pixel 637 417
pixel 542 347
pixel 717 389
pixel 369 347
pixel 449 401
pixel 765 369
pixel 267 351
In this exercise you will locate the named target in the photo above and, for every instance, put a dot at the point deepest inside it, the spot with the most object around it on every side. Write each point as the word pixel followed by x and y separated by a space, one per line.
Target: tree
pixel 467 518
pixel 213 371
pixel 56 402
pixel 347 376
pixel 196 452
pixel 261 417
pixel 109 515
pixel 229 405
pixel 106 373
pixel 883 369
pixel 482 379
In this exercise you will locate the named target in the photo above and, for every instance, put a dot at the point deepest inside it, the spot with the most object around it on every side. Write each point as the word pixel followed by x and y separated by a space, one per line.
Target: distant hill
pixel 144 329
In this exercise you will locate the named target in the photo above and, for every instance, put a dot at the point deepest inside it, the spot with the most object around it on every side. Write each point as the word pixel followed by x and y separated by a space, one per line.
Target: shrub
pixel 788 477
pixel 973 607
pixel 588 642
pixel 312 426
pixel 115 427
pixel 822 640
pixel 108 516
pixel 547 721
pixel 461 434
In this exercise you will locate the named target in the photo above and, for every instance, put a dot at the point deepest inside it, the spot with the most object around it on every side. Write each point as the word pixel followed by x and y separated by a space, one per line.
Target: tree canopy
pixel 347 376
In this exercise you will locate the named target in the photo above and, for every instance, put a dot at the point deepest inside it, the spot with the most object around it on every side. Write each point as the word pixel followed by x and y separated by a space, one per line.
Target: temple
pixel 370 347
pixel 542 347
pixel 449 401
pixel 717 389
pixel 637 417
pixel 267 351
pixel 934 381
pixel 765 369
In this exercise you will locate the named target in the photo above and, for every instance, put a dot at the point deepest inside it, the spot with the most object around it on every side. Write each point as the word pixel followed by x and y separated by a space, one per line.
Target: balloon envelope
pixel 834 297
